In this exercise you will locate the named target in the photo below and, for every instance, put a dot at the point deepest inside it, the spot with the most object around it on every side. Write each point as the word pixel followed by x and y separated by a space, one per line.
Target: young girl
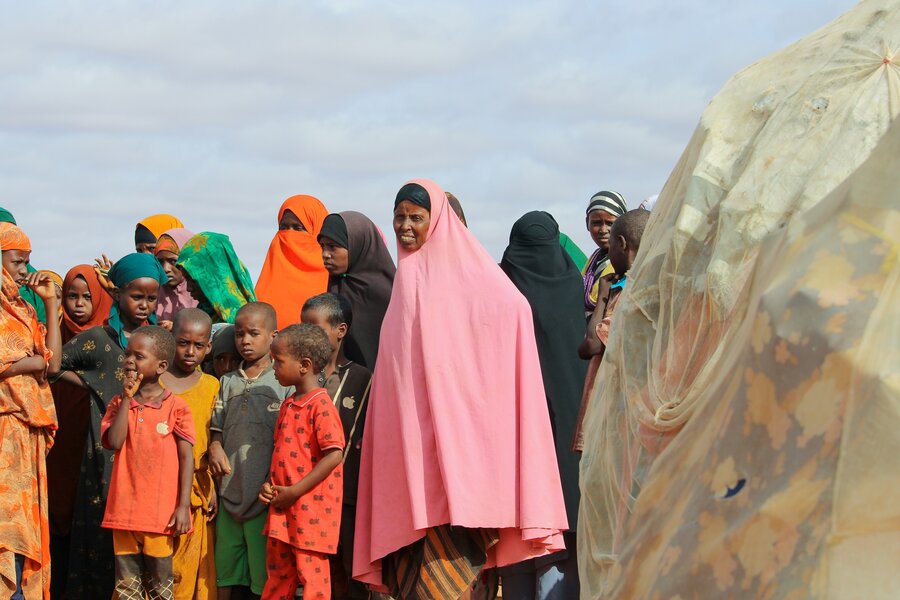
pixel 174 295
pixel 93 359
pixel 215 276
pixel 27 422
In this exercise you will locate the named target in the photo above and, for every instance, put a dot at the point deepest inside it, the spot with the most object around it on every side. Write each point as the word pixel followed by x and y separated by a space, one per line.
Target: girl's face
pixel 78 302
pixel 137 300
pixel 289 221
pixel 167 260
pixel 192 287
pixel 335 258
pixel 16 264
pixel 411 223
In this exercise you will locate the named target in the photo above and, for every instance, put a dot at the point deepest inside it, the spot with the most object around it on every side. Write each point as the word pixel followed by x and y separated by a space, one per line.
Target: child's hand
pixel 213 507
pixel 42 284
pixel 180 523
pixel 266 493
pixel 101 269
pixel 218 461
pixel 285 496
pixel 167 325
pixel 131 385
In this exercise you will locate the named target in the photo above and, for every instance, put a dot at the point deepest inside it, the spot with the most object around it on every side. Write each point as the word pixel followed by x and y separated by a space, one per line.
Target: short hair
pixel 264 309
pixel 307 341
pixel 191 316
pixel 161 340
pixel 336 308
pixel 631 226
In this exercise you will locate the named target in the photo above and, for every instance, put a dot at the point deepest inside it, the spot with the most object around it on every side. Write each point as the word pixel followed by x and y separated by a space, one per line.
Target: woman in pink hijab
pixel 458 464
pixel 173 296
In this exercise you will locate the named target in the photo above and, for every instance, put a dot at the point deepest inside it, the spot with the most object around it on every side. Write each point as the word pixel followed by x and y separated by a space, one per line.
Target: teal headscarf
pixel 28 294
pixel 125 270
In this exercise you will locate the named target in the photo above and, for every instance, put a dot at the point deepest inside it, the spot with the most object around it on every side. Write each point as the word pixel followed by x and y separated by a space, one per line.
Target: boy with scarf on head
pixel 27 422
pixel 94 359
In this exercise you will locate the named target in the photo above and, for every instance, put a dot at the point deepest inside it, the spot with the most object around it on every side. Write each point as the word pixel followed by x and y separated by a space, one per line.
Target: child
pixel 624 242
pixel 150 490
pixel 240 450
pixel 348 385
pixel 193 562
pixel 305 489
pixel 225 357
pixel 27 422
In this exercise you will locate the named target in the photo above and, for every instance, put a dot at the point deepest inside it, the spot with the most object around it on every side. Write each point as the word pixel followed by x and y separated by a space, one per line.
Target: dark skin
pixel 253 336
pixel 78 302
pixel 145 248
pixel 290 222
pixel 411 223
pixel 299 372
pixel 335 335
pixel 143 369
pixel 621 256
pixel 599 225
pixel 335 257
pixel 192 287
pixel 43 285
pixel 191 346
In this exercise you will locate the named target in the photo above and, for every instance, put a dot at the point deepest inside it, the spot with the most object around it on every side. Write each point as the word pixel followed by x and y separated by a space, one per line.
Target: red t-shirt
pixel 306 428
pixel 143 490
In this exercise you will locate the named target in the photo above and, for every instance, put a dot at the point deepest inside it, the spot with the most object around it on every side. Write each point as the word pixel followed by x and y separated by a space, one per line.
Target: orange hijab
pixel 293 271
pixel 101 302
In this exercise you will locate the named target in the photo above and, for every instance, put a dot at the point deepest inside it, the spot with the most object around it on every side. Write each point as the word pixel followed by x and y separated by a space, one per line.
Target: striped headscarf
pixel 611 202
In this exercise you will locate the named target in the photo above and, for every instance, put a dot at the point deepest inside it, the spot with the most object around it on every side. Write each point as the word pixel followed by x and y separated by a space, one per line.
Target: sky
pixel 217 111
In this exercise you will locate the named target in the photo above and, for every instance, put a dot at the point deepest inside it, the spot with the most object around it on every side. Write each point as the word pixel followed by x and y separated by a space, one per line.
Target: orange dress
pixel 27 424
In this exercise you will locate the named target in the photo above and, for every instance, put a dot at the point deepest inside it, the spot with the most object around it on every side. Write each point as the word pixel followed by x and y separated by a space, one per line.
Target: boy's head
pixel 330 312
pixel 299 353
pixel 191 329
pixel 225 357
pixel 625 239
pixel 149 352
pixel 16 252
pixel 254 330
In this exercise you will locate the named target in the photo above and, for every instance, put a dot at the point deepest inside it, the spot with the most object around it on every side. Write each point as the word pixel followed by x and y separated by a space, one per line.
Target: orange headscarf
pixel 101 302
pixel 159 224
pixel 293 271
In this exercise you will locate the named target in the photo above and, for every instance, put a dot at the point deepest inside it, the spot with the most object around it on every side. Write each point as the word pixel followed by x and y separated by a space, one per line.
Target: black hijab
pixel 367 283
pixel 545 274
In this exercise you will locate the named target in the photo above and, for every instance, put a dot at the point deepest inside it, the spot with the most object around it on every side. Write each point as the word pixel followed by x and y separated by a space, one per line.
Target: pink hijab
pixel 458 429
pixel 171 300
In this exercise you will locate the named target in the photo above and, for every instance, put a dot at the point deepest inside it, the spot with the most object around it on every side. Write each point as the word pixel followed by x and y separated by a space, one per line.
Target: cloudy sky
pixel 218 111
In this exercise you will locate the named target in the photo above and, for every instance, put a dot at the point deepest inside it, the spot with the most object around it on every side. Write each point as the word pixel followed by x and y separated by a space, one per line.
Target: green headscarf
pixel 28 294
pixel 209 259
pixel 578 257
pixel 124 271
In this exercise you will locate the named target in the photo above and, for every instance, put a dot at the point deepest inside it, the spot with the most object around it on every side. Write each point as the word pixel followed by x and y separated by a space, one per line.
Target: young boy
pixel 224 356
pixel 240 450
pixel 348 385
pixel 624 242
pixel 149 501
pixel 193 562
pixel 305 488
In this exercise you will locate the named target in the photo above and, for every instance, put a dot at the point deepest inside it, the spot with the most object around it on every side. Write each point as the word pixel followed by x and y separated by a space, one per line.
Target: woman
pixel 27 422
pixel 361 270
pixel 457 459
pixel 173 295
pixel 602 211
pixel 147 231
pixel 215 276
pixel 546 275
pixel 93 359
pixel 85 305
pixel 293 271
pixel 26 292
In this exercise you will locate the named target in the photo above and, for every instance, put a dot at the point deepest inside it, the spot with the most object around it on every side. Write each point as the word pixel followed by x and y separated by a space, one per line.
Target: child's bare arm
pixel 285 496
pixel 591 344
pixel 46 289
pixel 218 460
pixel 118 431
pixel 180 523
pixel 25 366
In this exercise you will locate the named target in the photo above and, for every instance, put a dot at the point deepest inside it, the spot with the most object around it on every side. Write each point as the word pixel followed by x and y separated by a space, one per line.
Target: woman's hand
pixel 42 284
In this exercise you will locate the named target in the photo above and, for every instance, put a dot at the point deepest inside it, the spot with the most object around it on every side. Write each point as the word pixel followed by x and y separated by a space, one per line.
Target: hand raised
pixel 132 384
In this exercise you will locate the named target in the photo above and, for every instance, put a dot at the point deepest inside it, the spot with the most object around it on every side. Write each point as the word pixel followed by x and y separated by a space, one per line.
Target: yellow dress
pixel 194 560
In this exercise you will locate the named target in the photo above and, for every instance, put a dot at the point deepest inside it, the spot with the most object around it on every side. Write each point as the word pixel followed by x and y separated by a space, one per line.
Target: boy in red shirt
pixel 150 489
pixel 305 488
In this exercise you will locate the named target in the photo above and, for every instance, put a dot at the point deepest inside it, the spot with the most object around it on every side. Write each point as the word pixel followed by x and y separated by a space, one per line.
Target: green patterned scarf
pixel 209 259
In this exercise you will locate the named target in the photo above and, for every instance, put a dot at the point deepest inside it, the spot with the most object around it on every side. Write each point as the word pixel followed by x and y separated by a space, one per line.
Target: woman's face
pixel 289 221
pixel 79 304
pixel 411 223
pixel 336 258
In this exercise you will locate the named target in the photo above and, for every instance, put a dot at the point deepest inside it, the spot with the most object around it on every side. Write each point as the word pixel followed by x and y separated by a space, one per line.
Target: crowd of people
pixel 346 425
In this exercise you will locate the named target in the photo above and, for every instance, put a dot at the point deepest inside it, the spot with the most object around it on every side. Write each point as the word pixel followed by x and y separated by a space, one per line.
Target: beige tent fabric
pixel 780 137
